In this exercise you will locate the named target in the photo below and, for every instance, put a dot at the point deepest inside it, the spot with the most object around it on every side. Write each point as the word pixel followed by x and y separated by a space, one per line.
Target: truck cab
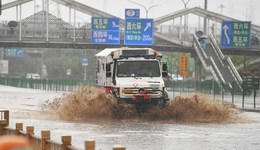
pixel 132 75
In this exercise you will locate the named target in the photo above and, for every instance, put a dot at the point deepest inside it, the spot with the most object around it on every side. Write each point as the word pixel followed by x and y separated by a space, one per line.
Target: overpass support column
pixel 70 15
pixel 197 68
pixel 199 23
pixel 74 31
pixel 47 21
pixel 172 29
pixel 1 53
pixel 20 25
pixel 17 13
pixel 180 27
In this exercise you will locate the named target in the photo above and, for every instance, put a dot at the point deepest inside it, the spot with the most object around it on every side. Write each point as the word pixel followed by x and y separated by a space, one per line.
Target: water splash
pixel 88 103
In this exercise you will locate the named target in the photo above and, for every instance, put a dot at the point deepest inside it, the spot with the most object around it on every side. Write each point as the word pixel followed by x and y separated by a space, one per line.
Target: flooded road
pixel 136 134
pixel 154 136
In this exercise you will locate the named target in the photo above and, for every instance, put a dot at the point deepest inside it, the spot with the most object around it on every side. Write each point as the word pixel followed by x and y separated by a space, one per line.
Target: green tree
pixel 59 61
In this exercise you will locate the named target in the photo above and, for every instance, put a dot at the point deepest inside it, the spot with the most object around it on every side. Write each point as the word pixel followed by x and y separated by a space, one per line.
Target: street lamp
pixel 205 19
pixel 146 9
pixel 221 7
pixel 185 3
pixel 85 51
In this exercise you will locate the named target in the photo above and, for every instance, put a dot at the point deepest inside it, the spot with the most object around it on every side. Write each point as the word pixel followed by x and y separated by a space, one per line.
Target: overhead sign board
pixel 105 30
pixel 138 32
pixel 14 52
pixel 132 13
pixel 184 63
pixel 235 34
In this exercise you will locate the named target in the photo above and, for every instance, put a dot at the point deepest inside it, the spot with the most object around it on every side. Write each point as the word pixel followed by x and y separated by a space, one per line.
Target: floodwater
pixel 237 130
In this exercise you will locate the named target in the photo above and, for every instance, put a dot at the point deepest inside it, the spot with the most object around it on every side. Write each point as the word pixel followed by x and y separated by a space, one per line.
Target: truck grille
pixel 149 90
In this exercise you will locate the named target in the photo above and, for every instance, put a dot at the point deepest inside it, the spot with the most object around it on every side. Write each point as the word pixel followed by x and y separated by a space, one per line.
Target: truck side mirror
pixel 165 67
pixel 164 74
pixel 108 74
pixel 108 70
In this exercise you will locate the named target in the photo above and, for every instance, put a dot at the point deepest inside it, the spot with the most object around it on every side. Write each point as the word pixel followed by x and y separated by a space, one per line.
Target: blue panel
pixel 85 61
pixel 132 13
pixel 19 52
pixel 235 34
pixel 138 32
pixel 105 37
pixel 226 34
pixel 14 52
pixel 105 30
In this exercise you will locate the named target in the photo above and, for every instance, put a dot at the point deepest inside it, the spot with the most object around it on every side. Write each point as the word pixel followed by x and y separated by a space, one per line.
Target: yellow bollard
pixel 6 116
pixel 18 127
pixel 29 131
pixel 90 144
pixel 119 147
pixel 66 141
pixel 46 135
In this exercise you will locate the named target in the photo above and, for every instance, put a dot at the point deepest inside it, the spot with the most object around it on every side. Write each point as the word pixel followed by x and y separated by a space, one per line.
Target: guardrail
pixel 45 84
pixel 216 88
pixel 44 142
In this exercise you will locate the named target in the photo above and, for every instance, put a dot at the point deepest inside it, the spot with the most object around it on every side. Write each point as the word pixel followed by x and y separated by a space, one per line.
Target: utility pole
pixel 205 19
pixel 185 3
pixel 0 7
pixel 221 7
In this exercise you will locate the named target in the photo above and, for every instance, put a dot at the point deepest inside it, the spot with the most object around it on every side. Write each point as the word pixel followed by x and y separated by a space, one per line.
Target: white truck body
pixel 131 74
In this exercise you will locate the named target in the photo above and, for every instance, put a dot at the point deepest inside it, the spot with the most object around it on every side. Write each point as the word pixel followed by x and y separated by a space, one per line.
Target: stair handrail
pixel 229 62
pixel 216 48
pixel 200 52
pixel 235 73
pixel 202 55
pixel 217 70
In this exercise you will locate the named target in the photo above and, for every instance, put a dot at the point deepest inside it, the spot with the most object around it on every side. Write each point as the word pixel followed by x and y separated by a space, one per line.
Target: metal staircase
pixel 220 66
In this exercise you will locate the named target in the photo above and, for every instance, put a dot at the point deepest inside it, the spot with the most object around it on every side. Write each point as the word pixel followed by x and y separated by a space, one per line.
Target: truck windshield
pixel 138 69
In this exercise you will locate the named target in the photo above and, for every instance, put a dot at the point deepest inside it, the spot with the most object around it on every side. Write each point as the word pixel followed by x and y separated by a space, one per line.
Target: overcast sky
pixel 238 9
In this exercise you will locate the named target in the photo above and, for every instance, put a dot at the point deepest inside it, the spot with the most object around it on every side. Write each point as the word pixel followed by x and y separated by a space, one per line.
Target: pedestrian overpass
pixel 44 30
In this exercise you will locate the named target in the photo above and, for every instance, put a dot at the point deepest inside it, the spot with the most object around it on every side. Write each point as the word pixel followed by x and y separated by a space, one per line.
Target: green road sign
pixel 14 52
pixel 105 30
pixel 235 34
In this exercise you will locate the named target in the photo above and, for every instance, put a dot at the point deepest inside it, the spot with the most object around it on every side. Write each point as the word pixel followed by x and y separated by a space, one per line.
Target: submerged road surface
pixel 25 106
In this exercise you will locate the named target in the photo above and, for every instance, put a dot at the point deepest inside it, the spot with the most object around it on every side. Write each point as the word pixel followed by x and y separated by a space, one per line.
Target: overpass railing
pixel 39 34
